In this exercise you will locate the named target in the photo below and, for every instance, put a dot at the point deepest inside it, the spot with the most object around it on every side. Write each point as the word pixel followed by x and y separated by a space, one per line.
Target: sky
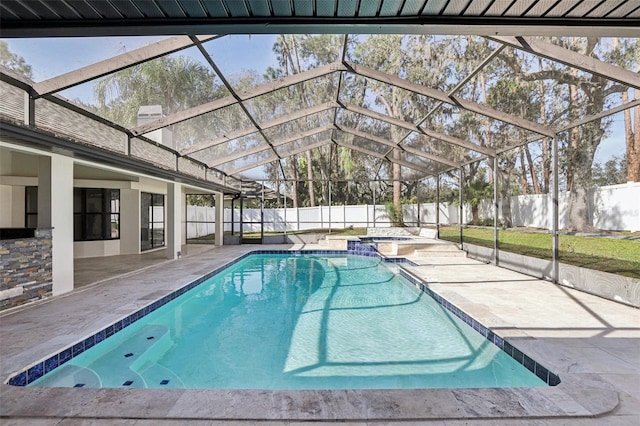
pixel 233 54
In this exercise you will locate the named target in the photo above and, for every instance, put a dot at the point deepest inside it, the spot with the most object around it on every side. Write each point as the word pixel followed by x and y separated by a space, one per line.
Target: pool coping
pixel 583 395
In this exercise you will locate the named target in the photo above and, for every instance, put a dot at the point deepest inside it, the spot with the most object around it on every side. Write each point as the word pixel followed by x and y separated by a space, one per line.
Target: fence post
pixel 367 215
pixel 438 206
pixel 297 216
pixel 241 218
pixel 329 207
pixel 555 211
pixel 418 197
pixel 496 236
pixel 460 219
pixel 321 217
pixel 374 207
pixel 344 210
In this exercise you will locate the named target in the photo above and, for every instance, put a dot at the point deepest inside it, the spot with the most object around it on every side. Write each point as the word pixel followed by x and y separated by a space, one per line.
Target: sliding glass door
pixel 151 221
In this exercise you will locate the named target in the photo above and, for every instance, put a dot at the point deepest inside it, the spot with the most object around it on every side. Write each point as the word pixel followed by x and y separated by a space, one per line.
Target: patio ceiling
pixel 144 17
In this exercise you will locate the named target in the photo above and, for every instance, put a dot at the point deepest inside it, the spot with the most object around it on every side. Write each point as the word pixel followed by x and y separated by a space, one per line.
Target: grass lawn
pixel 618 256
pixel 348 231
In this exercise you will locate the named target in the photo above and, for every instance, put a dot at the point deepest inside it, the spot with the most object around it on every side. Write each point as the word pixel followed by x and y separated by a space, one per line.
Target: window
pixel 96 214
pixel 31 207
pixel 151 220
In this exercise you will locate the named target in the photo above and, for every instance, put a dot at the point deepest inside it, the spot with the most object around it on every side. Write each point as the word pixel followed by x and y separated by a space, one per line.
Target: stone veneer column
pixel 174 220
pixel 219 219
pixel 55 210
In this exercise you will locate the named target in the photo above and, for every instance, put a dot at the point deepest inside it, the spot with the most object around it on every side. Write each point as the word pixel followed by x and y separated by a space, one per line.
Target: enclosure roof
pixel 21 18
pixel 265 132
pixel 257 138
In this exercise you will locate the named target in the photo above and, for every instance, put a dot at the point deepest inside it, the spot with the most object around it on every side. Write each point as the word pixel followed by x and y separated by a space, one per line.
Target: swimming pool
pixel 301 321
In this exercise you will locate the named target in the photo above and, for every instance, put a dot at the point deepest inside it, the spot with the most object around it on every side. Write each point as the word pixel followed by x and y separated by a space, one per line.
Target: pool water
pixel 297 322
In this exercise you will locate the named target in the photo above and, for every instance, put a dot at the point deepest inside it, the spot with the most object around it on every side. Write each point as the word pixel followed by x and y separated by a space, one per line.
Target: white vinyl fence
pixel 612 208
pixel 615 207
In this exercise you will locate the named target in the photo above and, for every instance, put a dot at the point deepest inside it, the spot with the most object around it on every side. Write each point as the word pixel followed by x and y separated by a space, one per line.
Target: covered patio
pixel 421 119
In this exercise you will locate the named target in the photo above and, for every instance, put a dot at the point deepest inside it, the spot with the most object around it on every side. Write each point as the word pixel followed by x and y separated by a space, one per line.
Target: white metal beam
pixel 230 100
pixel 274 85
pixel 432 157
pixel 219 140
pixel 265 125
pixel 115 63
pixel 238 155
pixel 382 156
pixel 602 114
pixel 303 135
pixel 391 144
pixel 572 59
pixel 274 158
pixel 293 138
pixel 419 129
pixel 298 114
pixel 306 148
pixel 253 165
pixel 180 116
pixel 360 149
pixel 452 100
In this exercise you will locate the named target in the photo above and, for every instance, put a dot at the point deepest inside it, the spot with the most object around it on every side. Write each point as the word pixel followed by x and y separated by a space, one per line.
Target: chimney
pixel 148 113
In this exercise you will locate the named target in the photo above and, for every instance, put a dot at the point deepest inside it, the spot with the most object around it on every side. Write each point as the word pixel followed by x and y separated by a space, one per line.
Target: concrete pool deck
pixel 591 343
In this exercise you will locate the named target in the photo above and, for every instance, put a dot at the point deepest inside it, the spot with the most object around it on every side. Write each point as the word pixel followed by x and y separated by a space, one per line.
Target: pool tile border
pixel 529 363
pixel 40 368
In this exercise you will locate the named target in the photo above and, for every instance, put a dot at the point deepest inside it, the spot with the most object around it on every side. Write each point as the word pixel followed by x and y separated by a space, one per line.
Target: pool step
pixel 419 247
pixel 114 364
pixel 117 367
pixel 439 251
pixel 156 375
pixel 336 242
pixel 69 376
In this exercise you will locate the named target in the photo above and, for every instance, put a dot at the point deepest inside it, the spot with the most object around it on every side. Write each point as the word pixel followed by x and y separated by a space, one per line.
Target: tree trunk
pixel 573 135
pixel 291 51
pixel 581 161
pixel 578 213
pixel 487 124
pixel 312 192
pixel 505 196
pixel 475 214
pixel 523 175
pixel 546 164
pixel 632 137
pixel 532 170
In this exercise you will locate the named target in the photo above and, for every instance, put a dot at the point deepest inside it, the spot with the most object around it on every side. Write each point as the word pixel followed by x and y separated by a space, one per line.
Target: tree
pixel 13 62
pixel 414 58
pixel 476 191
pixel 583 94
pixel 175 83
pixel 298 53
pixel 625 53
pixel 612 172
